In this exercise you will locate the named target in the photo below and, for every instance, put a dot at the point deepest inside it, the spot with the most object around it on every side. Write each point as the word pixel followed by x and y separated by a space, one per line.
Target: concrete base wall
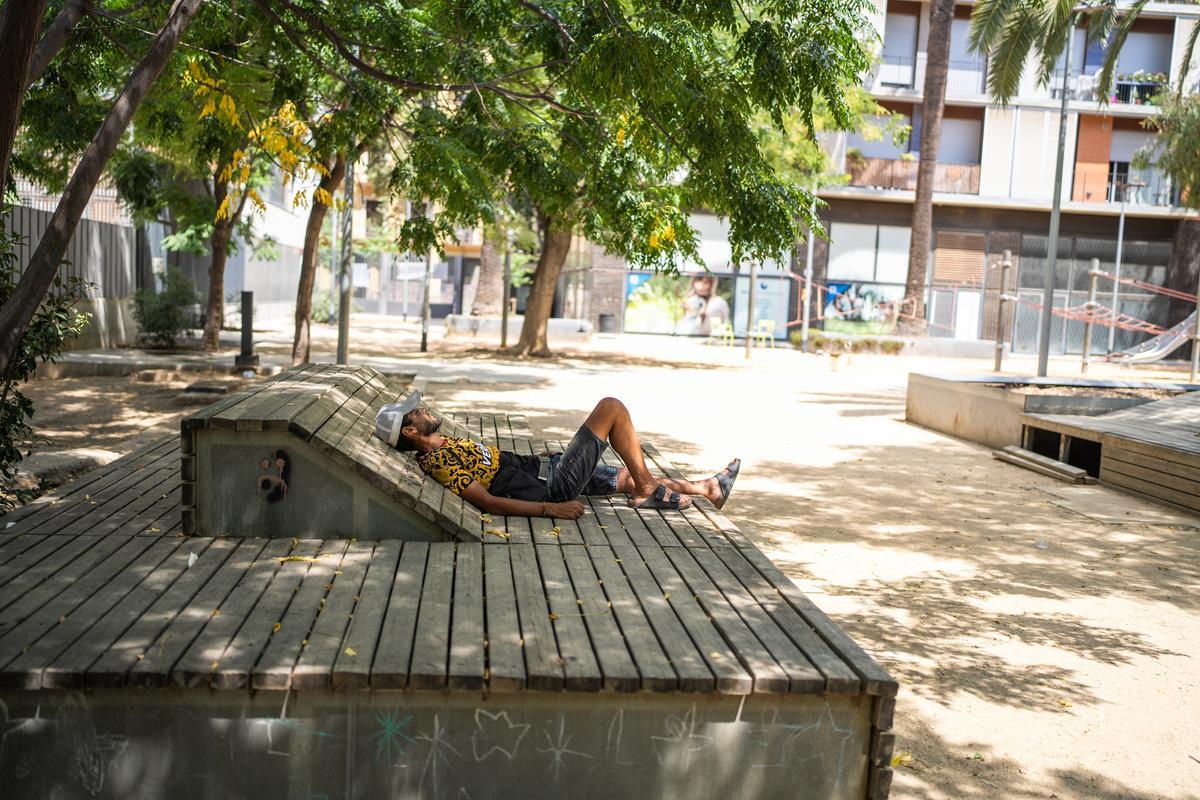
pixel 174 744
pixel 991 415
pixel 559 330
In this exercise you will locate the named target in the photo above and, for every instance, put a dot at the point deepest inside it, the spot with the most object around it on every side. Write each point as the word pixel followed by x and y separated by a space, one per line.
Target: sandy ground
pixel 1041 654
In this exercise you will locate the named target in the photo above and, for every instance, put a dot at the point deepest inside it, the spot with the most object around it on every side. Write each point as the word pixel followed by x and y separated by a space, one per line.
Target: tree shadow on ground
pixel 936 768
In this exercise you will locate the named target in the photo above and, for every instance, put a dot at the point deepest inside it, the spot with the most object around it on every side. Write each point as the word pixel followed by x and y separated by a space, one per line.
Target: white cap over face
pixel 391 417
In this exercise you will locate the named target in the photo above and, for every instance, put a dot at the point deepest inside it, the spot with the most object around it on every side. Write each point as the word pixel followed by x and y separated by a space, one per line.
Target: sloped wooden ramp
pixel 624 654
pixel 1152 449
pixel 343 481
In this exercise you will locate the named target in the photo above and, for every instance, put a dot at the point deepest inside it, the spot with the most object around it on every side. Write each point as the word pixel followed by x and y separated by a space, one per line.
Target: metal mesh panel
pixel 168 745
pixel 318 503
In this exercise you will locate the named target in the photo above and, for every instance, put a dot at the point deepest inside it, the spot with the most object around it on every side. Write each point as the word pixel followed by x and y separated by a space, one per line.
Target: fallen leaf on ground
pixel 902 759
pixel 350 651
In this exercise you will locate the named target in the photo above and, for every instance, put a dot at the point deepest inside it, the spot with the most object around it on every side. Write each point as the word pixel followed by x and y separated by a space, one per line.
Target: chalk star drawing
pixel 439 751
pixel 811 742
pixel 13 725
pixel 490 737
pixel 559 747
pixel 681 738
pixel 612 741
pixel 391 736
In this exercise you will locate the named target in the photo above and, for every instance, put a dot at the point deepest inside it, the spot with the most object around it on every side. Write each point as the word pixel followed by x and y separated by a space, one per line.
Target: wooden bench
pixel 1151 449
pixel 625 654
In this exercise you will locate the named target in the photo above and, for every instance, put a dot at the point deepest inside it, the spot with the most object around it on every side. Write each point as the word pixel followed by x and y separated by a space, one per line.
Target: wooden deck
pixel 101 589
pixel 1152 449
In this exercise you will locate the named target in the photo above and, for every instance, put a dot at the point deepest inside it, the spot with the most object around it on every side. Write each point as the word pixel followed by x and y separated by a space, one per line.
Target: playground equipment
pixel 1160 346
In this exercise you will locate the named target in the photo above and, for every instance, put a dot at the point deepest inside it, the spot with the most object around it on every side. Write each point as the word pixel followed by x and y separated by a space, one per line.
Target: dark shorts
pixel 579 471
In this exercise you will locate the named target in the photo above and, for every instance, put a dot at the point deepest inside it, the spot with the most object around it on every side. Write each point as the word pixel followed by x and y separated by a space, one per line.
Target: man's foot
pixel 725 479
pixel 661 498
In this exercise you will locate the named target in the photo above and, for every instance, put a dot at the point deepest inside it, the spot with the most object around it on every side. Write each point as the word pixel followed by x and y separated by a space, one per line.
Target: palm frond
pixel 1059 24
pixel 1016 41
pixel 1108 72
pixel 1189 50
pixel 1101 19
pixel 987 22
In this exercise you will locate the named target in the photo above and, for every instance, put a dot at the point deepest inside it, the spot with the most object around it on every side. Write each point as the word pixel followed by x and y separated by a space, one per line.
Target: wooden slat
pixel 876 680
pixel 1151 475
pixel 392 658
pixel 314 667
pixel 198 665
pixel 431 644
pixel 300 397
pixel 1158 492
pixel 273 669
pixel 33 588
pixel 306 423
pixel 658 669
pixel 111 667
pixel 617 667
pixel 468 656
pixel 542 661
pixel 236 663
pixel 836 673
pixel 506 664
pixel 580 668
pixel 748 643
pixel 246 414
pixel 45 635
pixel 719 655
pixel 154 668
pixel 362 637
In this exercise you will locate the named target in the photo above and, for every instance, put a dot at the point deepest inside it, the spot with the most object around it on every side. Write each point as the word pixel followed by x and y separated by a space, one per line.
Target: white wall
pixel 960 142
pixel 1037 147
pixel 1183 28
pixel 995 170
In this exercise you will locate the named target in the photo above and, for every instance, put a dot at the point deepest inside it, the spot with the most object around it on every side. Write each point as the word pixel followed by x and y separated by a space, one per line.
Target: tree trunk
pixel 43 266
pixel 222 235
pixel 556 241
pixel 490 292
pixel 20 22
pixel 55 37
pixel 937 64
pixel 301 342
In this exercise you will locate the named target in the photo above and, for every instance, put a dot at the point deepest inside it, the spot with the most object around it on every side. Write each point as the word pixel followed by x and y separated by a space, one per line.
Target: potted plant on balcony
pixel 855 160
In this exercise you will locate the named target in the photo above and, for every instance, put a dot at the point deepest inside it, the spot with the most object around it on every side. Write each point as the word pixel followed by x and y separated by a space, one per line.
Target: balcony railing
pixel 1128 92
pixel 896 72
pixel 966 77
pixel 887 173
pixel 1150 187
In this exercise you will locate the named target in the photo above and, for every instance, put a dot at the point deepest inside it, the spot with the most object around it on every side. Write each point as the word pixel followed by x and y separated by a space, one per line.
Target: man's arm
pixel 485 501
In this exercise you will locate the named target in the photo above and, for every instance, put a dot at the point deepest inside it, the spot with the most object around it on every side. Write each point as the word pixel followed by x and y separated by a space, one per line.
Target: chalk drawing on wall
pixel 389 737
pixel 681 739
pixel 496 733
pixel 558 747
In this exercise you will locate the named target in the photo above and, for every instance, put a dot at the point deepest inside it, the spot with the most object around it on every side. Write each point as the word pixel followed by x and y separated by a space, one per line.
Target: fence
pixel 886 173
pixel 102 253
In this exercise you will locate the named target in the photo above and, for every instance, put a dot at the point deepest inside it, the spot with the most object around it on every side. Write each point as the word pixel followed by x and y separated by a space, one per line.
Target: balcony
pixel 1135 90
pixel 895 72
pixel 966 78
pixel 886 173
pixel 1148 187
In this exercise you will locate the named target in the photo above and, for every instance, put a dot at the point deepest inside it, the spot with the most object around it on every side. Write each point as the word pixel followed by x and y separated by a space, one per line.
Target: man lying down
pixel 499 482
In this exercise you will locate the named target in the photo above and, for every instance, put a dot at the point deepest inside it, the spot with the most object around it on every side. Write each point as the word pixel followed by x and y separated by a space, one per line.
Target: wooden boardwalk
pixel 1152 449
pixel 101 589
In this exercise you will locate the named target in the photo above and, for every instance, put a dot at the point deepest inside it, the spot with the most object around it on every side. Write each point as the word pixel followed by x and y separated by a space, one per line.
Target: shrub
pixel 164 316
pixel 835 345
pixel 55 321
pixel 323 307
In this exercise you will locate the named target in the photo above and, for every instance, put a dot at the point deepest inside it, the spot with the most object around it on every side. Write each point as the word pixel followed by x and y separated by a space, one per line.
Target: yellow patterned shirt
pixel 459 461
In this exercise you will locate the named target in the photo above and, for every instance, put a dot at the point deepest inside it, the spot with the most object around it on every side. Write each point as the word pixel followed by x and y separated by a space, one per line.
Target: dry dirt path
pixel 1041 654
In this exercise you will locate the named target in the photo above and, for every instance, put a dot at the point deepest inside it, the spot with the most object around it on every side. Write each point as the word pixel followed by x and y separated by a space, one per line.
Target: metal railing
pixel 896 72
pixel 1127 92
pixel 1150 187
pixel 886 173
pixel 966 77
pixel 1135 92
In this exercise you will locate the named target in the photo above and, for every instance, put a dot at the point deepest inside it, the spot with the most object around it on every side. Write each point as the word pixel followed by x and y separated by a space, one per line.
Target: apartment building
pixel 994 182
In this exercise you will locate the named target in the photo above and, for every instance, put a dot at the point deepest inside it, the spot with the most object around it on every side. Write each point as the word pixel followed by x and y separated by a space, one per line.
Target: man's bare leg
pixel 610 421
pixel 705 487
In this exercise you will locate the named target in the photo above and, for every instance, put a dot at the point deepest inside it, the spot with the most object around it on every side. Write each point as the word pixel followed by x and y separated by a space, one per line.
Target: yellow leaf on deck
pixel 278 625
pixel 553 616
pixel 350 651
pixel 309 559
pixel 216 612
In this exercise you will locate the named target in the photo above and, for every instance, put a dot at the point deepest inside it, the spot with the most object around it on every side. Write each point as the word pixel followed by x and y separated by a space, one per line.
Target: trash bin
pixel 608 323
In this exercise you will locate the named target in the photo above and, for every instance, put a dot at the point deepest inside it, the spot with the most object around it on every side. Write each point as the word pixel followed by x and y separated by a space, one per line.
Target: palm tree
pixel 1009 31
pixel 937 65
